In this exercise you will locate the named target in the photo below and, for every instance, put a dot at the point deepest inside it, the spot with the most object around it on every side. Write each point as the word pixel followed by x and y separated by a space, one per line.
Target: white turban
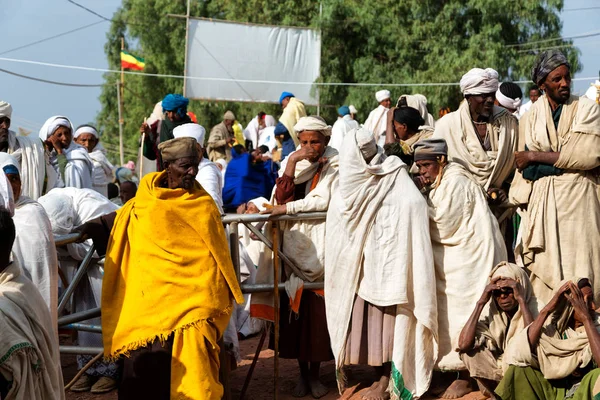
pixel 86 129
pixel 191 130
pixel 506 101
pixel 6 194
pixel 52 123
pixel 260 202
pixel 479 81
pixel 5 109
pixel 313 123
pixel 366 143
pixel 353 109
pixel 383 95
pixel 7 159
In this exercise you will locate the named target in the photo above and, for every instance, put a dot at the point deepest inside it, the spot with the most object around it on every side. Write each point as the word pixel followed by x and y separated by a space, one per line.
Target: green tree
pixel 367 41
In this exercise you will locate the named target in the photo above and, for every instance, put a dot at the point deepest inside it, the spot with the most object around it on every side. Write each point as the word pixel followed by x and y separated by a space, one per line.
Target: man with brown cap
pixel 560 170
pixel 187 268
pixel 221 139
pixel 466 242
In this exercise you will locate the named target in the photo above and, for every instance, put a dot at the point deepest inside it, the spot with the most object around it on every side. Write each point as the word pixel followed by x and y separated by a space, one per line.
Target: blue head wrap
pixel 10 169
pixel 175 102
pixel 284 95
pixel 344 110
pixel 280 129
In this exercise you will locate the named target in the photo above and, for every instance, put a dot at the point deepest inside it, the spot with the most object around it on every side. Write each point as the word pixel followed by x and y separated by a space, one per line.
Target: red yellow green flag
pixel 130 61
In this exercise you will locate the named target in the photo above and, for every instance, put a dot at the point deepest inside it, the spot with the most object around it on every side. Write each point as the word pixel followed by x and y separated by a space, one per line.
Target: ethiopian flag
pixel 130 61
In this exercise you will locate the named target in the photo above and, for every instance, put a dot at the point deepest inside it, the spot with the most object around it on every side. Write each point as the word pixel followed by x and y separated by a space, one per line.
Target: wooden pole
pixel 120 99
pixel 276 306
pixel 185 56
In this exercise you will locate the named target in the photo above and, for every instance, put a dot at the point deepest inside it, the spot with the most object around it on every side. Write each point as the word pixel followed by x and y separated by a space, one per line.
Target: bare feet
pixel 317 389
pixel 379 390
pixel 301 388
pixel 457 389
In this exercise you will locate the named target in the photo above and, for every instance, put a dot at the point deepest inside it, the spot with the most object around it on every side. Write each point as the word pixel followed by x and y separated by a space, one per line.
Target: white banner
pixel 244 62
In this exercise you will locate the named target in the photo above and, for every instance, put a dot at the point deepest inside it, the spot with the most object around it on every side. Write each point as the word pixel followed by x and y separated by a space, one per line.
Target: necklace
pixel 479 123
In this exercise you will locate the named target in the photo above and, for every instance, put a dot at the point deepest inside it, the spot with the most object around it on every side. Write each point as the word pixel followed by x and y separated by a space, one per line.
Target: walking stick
pixel 276 304
pixel 254 361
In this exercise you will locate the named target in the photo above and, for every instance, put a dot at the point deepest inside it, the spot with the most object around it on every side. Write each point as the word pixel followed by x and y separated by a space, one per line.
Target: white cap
pixel 191 130
pixel 5 109
pixel 383 95
pixel 353 109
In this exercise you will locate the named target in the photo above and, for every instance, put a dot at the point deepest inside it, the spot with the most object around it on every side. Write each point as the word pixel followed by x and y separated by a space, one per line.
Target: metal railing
pixel 74 320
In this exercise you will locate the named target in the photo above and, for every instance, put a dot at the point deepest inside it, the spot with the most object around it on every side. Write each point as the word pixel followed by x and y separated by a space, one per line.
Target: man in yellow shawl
pixel 561 166
pixel 167 298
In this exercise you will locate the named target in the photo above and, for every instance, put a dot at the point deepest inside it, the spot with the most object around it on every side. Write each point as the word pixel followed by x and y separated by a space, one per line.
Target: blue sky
pixel 31 20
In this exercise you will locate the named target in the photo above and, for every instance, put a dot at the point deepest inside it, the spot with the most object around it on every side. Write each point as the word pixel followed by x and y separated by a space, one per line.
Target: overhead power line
pixel 583 35
pixel 117 71
pixel 88 10
pixel 48 81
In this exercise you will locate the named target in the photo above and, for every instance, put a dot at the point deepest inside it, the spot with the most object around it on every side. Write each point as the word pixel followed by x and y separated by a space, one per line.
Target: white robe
pixel 102 173
pixel 340 129
pixel 467 244
pixel 29 355
pixel 35 251
pixel 377 123
pixel 210 178
pixel 267 138
pixel 254 132
pixel 78 171
pixel 35 165
pixel 378 247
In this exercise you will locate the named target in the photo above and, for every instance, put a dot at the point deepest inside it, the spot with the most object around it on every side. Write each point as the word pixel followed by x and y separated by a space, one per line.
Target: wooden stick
pixel 276 305
pixel 254 361
pixel 82 370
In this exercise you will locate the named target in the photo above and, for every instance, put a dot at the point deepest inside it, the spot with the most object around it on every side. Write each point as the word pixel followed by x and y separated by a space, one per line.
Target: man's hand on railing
pixel 276 210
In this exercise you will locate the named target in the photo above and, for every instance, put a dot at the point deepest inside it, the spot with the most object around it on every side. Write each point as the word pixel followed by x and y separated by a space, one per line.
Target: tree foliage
pixel 366 41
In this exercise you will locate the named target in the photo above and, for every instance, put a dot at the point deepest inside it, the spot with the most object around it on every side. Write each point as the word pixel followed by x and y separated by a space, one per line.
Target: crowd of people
pixel 456 255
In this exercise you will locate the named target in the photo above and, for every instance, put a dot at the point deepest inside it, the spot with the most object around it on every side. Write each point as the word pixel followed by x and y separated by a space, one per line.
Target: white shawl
pixel 210 178
pixel 378 246
pixel 29 151
pixel 377 123
pixel 35 251
pixel 78 171
pixel 102 173
pixel 467 244
pixel 489 168
pixel 29 354
pixel 340 129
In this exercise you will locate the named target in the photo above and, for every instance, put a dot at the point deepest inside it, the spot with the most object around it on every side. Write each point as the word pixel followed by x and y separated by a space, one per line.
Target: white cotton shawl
pixel 376 122
pixel 210 178
pixel 489 168
pixel 102 173
pixel 29 355
pixel 78 171
pixel 6 194
pixel 340 129
pixel 35 251
pixel 377 206
pixel 30 153
pixel 467 244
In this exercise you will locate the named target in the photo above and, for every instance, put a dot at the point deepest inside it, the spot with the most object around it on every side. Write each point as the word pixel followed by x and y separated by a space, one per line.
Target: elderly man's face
pixel 429 169
pixel 182 172
pixel 63 136
pixel 15 183
pixel 173 116
pixel 386 103
pixel 285 102
pixel 315 140
pixel 482 104
pixel 4 125
pixel 534 95
pixel 87 140
pixel 228 123
pixel 557 85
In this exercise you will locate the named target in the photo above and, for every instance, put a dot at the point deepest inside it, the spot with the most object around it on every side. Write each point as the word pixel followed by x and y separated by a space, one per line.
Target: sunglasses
pixel 501 291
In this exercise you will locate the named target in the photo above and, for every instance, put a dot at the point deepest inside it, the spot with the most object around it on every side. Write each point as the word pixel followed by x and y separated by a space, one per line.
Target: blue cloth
pixel 343 110
pixel 284 95
pixel 287 147
pixel 280 129
pixel 175 102
pixel 245 180
pixel 10 169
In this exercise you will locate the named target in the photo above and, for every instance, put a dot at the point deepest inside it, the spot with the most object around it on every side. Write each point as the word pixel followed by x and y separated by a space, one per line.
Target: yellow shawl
pixel 290 116
pixel 168 271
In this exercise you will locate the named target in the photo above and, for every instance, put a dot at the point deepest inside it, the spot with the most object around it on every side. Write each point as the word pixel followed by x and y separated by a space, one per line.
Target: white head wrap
pixel 313 123
pixel 479 81
pixel 5 109
pixel 157 114
pixel 86 129
pixel 507 102
pixel 366 143
pixel 592 92
pixel 353 109
pixel 270 120
pixel 60 210
pixel 7 159
pixel 260 202
pixel 382 95
pixel 52 123
pixel 191 130
pixel 6 194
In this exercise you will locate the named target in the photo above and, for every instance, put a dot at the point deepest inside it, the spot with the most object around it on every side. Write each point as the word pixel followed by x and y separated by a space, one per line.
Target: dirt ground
pixel 262 385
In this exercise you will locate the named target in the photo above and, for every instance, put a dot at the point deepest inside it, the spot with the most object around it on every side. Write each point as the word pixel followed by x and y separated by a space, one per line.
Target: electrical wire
pixel 48 81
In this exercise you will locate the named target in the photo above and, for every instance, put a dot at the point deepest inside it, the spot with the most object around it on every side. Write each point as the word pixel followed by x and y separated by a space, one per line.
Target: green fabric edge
pixel 397 388
pixel 14 348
